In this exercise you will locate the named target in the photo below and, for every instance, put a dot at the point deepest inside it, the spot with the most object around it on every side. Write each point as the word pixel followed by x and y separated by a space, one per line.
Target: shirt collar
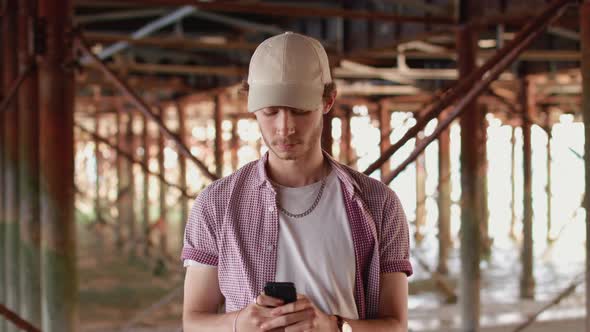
pixel 349 183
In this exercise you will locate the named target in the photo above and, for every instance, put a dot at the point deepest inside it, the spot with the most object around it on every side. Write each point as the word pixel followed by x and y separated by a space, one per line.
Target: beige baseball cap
pixel 289 69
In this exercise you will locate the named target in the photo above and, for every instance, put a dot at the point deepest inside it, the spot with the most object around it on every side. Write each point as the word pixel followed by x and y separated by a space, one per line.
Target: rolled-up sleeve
pixel 395 238
pixel 200 234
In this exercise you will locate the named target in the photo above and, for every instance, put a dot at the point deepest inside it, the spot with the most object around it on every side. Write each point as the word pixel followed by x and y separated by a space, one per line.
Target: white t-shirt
pixel 316 251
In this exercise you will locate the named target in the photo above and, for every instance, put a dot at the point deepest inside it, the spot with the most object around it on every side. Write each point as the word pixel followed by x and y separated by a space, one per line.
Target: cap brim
pixel 303 97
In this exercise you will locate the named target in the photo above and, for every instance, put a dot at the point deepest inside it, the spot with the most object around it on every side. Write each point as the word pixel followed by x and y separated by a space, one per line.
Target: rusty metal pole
pixel 469 297
pixel 129 197
pixel 218 116
pixel 482 177
pixel 2 198
pixel 11 249
pixel 121 180
pixel 585 41
pixel 182 167
pixel 513 184
pixel 163 190
pixel 97 199
pixel 444 199
pixel 30 228
pixel 548 128
pixel 470 87
pixel 345 147
pixel 384 128
pixel 527 282
pixel 420 193
pixel 327 140
pixel 59 299
pixel 146 186
pixel 235 143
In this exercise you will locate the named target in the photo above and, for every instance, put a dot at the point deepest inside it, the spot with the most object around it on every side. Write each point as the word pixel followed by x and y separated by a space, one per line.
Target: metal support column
pixel 585 41
pixel 163 190
pixel 327 140
pixel 420 193
pixel 120 222
pixel 2 210
pixel 30 228
pixel 11 179
pixel 469 297
pixel 59 299
pixel 183 201
pixel 218 116
pixel 527 281
pixel 146 185
pixel 482 177
pixel 128 202
pixel 384 131
pixel 444 199
pixel 513 184
pixel 345 147
pixel 235 143
pixel 548 129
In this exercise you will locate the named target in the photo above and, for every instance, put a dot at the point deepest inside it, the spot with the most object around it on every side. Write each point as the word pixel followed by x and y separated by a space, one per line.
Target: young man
pixel 295 215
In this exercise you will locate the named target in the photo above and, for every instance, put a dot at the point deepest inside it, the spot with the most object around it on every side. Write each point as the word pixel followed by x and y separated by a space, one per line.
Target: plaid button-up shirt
pixel 234 225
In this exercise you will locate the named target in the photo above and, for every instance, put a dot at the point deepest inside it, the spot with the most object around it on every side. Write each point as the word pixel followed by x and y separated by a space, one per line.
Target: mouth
pixel 286 146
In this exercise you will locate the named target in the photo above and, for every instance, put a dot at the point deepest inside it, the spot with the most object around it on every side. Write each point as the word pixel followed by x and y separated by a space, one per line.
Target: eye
pixel 299 112
pixel 270 112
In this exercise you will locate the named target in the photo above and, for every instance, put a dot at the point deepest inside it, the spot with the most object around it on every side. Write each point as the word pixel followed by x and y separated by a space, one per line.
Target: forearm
pixel 378 325
pixel 208 322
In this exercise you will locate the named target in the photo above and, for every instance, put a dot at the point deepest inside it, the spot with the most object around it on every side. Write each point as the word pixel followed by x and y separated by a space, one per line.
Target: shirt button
pixel 270 247
pixel 271 209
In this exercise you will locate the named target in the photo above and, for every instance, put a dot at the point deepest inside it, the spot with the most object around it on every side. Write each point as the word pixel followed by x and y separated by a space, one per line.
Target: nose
pixel 285 123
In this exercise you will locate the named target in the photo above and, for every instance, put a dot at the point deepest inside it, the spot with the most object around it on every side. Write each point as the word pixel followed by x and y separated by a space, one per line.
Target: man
pixel 295 215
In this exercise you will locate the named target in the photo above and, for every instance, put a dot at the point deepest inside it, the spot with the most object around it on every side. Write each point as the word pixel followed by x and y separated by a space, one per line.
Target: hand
pixel 255 314
pixel 301 315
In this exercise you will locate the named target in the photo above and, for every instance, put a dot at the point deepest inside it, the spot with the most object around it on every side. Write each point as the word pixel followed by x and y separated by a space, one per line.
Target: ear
pixel 328 105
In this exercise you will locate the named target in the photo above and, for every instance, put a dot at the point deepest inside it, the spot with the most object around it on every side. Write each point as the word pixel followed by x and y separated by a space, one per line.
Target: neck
pixel 297 173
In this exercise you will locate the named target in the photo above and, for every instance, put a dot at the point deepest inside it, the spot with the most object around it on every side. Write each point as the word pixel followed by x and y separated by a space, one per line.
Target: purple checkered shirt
pixel 234 225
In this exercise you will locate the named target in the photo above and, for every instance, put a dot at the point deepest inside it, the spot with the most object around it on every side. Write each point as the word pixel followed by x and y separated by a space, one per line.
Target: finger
pixel 298 305
pixel 268 301
pixel 290 319
pixel 306 325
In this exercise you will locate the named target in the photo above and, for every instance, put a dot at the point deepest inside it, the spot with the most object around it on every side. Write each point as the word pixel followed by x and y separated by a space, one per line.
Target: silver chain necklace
pixel 313 206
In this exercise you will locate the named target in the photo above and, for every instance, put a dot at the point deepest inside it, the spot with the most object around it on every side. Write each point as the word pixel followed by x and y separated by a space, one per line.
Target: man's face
pixel 290 133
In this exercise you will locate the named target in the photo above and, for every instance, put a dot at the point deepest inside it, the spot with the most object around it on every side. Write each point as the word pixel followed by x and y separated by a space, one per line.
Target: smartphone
pixel 281 290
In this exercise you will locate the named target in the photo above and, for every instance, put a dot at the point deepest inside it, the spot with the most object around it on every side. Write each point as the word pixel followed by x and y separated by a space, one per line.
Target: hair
pixel 329 89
